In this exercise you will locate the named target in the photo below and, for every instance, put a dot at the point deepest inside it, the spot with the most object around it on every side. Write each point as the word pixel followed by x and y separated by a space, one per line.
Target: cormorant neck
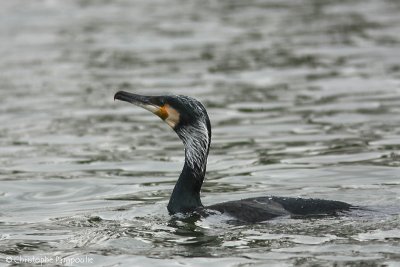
pixel 186 194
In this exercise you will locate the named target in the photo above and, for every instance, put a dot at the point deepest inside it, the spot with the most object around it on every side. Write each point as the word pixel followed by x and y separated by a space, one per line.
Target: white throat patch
pixel 173 116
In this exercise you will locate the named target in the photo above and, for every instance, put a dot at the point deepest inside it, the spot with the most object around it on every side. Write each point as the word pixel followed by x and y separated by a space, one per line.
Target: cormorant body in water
pixel 189 119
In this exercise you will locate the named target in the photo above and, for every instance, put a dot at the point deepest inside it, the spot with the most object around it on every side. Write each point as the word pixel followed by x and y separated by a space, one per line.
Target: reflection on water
pixel 304 100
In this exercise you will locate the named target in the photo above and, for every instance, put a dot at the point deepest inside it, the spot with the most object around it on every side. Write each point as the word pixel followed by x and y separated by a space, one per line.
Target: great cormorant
pixel 189 119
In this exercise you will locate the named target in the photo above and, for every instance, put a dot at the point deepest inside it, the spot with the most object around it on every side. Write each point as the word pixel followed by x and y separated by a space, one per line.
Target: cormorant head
pixel 184 114
pixel 190 121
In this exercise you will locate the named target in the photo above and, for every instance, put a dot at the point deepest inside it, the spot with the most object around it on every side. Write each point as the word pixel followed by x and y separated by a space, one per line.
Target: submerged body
pixel 260 209
pixel 189 119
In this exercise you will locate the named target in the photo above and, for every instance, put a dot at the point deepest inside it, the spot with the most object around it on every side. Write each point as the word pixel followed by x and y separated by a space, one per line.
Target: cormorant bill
pixel 189 119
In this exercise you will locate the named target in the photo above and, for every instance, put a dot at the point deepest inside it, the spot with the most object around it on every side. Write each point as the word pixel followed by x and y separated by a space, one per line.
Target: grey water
pixel 304 99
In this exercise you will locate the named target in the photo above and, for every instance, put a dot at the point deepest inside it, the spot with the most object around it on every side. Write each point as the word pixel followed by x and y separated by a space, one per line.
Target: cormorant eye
pixel 162 101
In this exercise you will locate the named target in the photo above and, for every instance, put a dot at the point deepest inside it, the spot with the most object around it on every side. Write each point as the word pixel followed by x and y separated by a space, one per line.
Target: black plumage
pixel 189 119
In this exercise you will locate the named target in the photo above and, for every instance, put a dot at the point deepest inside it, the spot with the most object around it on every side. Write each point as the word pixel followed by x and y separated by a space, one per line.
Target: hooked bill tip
pixel 116 94
pixel 123 96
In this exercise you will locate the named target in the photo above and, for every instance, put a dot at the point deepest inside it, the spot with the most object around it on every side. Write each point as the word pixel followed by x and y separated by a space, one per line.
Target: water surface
pixel 304 99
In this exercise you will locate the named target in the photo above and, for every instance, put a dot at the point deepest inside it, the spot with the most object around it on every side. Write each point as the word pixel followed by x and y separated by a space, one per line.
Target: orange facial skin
pixel 162 112
pixel 169 115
